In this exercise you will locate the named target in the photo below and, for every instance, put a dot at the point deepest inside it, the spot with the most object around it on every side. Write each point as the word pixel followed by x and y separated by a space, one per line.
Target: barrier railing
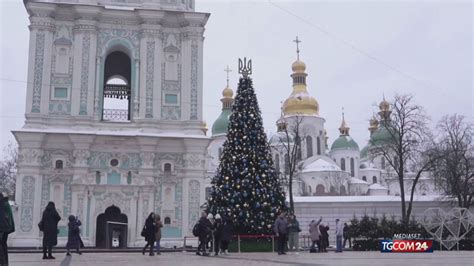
pixel 304 241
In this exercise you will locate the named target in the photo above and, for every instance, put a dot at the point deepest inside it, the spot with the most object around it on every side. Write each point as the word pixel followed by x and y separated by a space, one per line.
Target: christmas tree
pixel 246 187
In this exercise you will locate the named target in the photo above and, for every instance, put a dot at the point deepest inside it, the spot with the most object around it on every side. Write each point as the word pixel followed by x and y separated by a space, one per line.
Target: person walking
pixel 293 233
pixel 339 234
pixel 218 226
pixel 226 235
pixel 74 235
pixel 148 231
pixel 49 226
pixel 210 236
pixel 5 229
pixel 158 225
pixel 346 236
pixel 281 231
pixel 204 231
pixel 315 235
pixel 324 237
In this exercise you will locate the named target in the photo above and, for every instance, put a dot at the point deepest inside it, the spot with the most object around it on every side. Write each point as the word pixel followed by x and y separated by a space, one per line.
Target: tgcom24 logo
pixel 406 246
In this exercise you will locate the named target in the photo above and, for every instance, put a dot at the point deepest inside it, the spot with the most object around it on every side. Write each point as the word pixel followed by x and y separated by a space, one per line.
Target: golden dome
pixel 228 92
pixel 300 103
pixel 298 66
pixel 373 122
pixel 384 105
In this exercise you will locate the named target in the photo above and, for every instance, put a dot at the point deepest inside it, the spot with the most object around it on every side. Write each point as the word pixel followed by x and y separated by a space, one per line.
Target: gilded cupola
pixel 300 102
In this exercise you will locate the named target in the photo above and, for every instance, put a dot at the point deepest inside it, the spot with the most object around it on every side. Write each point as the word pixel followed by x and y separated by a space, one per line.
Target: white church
pixel 114 127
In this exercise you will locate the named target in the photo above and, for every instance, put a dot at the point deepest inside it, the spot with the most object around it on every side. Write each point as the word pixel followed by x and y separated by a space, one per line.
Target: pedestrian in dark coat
pixel 218 226
pixel 281 231
pixel 324 240
pixel 49 226
pixel 148 232
pixel 5 229
pixel 226 235
pixel 73 237
pixel 205 229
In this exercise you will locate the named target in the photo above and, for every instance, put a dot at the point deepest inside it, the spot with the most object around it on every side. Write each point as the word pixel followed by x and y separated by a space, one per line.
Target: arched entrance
pixel 111 230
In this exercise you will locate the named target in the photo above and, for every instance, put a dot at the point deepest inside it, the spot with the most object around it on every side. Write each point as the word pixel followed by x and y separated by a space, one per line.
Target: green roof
pixel 381 135
pixel 344 142
pixel 221 123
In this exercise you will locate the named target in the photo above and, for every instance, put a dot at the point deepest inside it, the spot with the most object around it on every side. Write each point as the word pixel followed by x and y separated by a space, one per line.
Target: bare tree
pixel 404 141
pixel 8 168
pixel 290 147
pixel 454 167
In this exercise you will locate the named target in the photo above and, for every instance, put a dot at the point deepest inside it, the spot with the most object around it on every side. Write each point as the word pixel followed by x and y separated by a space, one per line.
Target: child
pixel 73 237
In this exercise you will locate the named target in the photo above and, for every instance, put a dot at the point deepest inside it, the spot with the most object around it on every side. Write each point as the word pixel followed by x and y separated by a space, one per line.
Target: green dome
pixel 364 151
pixel 381 135
pixel 221 123
pixel 344 142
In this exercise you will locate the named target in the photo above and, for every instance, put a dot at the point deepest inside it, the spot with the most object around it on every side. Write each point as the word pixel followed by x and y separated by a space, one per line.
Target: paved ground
pixel 245 259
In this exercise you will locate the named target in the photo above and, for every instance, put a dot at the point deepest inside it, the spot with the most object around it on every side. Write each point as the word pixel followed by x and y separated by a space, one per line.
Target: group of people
pixel 152 233
pixel 214 234
pixel 7 226
pixel 287 228
pixel 49 226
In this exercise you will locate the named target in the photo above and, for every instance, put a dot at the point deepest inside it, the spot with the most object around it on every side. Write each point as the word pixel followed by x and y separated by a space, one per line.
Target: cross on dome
pixel 297 41
pixel 228 70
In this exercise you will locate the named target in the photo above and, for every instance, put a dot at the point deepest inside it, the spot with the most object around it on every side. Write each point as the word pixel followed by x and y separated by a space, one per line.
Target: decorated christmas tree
pixel 246 187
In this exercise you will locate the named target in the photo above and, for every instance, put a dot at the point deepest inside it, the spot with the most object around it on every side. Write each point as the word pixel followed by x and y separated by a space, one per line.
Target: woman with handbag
pixel 49 226
pixel 148 232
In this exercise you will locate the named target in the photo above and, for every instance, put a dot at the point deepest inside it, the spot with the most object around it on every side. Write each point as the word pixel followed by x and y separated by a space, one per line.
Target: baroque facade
pixel 114 122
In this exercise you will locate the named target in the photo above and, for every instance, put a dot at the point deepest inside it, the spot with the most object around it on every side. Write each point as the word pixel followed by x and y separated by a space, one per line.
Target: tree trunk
pixel 290 188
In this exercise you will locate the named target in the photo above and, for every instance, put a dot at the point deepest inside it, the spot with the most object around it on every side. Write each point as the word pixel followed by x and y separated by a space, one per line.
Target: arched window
pixel 287 164
pixel 343 164
pixel 59 164
pixel 364 178
pixel 167 168
pixel 309 146
pixel 309 189
pixel 374 179
pixel 97 177
pixel 167 220
pixel 332 190
pixel 319 190
pixel 352 167
pixel 298 147
pixel 117 89
pixel 129 177
pixel 318 145
pixel 342 190
pixel 383 163
pixel 277 163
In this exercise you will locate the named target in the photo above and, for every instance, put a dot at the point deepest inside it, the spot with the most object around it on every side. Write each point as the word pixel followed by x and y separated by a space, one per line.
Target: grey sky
pixel 429 42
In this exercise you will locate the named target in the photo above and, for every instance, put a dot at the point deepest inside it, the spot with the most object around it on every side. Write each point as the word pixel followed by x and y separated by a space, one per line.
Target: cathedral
pixel 114 127
pixel 341 170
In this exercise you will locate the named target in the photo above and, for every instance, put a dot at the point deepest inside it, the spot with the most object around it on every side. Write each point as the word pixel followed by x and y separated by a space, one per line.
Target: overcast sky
pixel 355 51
